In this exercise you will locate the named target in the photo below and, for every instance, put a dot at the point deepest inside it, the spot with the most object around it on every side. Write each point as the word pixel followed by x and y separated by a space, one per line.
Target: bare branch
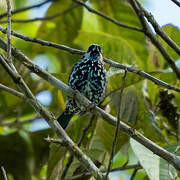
pixel 176 2
pixel 86 162
pixel 4 173
pixel 142 73
pixel 76 51
pixel 83 175
pixel 107 17
pixel 57 141
pixel 25 8
pixel 12 91
pixel 148 32
pixel 117 126
pixel 159 31
pixel 41 18
pixel 134 174
pixel 18 123
pixel 8 30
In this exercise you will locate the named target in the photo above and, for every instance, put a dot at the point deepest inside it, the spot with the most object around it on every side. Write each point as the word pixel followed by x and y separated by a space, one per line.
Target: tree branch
pixel 25 8
pixel 41 18
pixel 148 32
pixel 107 17
pixel 83 175
pixel 12 91
pixel 176 2
pixel 4 173
pixel 18 123
pixel 76 51
pixel 85 161
pixel 8 30
pixel 170 157
pixel 159 31
pixel 117 126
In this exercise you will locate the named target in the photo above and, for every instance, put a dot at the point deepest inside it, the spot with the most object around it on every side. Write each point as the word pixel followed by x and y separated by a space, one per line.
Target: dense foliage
pixel 146 107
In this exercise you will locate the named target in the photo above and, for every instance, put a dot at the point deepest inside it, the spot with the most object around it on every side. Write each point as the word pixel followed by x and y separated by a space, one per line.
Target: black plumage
pixel 88 76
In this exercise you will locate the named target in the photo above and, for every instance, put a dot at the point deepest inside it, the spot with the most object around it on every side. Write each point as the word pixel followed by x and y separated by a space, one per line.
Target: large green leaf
pixel 15 156
pixel 155 60
pixel 62 29
pixel 106 133
pixel 121 11
pixel 174 33
pixel 165 168
pixel 55 162
pixel 112 46
pixel 148 160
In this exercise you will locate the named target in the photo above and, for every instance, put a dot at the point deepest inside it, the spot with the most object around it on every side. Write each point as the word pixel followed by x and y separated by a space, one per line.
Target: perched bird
pixel 88 76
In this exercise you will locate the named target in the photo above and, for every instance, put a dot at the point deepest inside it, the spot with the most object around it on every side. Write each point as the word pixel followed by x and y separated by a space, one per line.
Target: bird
pixel 88 76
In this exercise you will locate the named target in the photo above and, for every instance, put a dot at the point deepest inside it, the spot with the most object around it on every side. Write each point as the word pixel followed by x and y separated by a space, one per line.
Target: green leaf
pixel 106 133
pixel 164 165
pixel 115 78
pixel 40 148
pixel 15 156
pixel 129 105
pixel 62 29
pixel 174 33
pixel 148 160
pixel 112 46
pixel 55 162
pixel 155 60
pixel 121 11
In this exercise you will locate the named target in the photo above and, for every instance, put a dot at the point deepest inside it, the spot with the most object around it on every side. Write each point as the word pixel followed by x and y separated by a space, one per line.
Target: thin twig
pixel 42 18
pixel 9 59
pixel 76 51
pixel 43 43
pixel 83 175
pixel 148 32
pixel 8 30
pixel 12 91
pixel 107 17
pixel 176 2
pixel 71 157
pixel 18 123
pixel 85 161
pixel 117 127
pixel 57 141
pixel 159 31
pixel 4 173
pixel 25 8
pixel 134 174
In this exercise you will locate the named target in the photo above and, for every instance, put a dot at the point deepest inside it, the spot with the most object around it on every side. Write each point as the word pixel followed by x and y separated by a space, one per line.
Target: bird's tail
pixel 64 118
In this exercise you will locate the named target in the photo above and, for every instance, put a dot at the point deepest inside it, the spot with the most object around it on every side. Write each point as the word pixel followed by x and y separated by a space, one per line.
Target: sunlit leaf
pixel 148 160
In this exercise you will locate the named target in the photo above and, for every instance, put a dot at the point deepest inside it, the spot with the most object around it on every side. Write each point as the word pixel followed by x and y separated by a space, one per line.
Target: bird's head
pixel 94 51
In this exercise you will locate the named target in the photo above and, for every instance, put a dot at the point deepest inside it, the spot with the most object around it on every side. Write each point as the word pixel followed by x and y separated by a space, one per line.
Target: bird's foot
pixel 91 107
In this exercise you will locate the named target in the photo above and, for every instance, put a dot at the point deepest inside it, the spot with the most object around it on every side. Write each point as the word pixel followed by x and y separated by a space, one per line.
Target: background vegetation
pixel 149 108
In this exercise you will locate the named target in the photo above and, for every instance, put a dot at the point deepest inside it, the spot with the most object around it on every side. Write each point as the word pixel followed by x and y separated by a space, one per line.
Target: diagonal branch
pixel 42 18
pixel 25 8
pixel 148 32
pixel 85 161
pixel 159 31
pixel 107 17
pixel 12 91
pixel 176 2
pixel 170 157
pixel 76 51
